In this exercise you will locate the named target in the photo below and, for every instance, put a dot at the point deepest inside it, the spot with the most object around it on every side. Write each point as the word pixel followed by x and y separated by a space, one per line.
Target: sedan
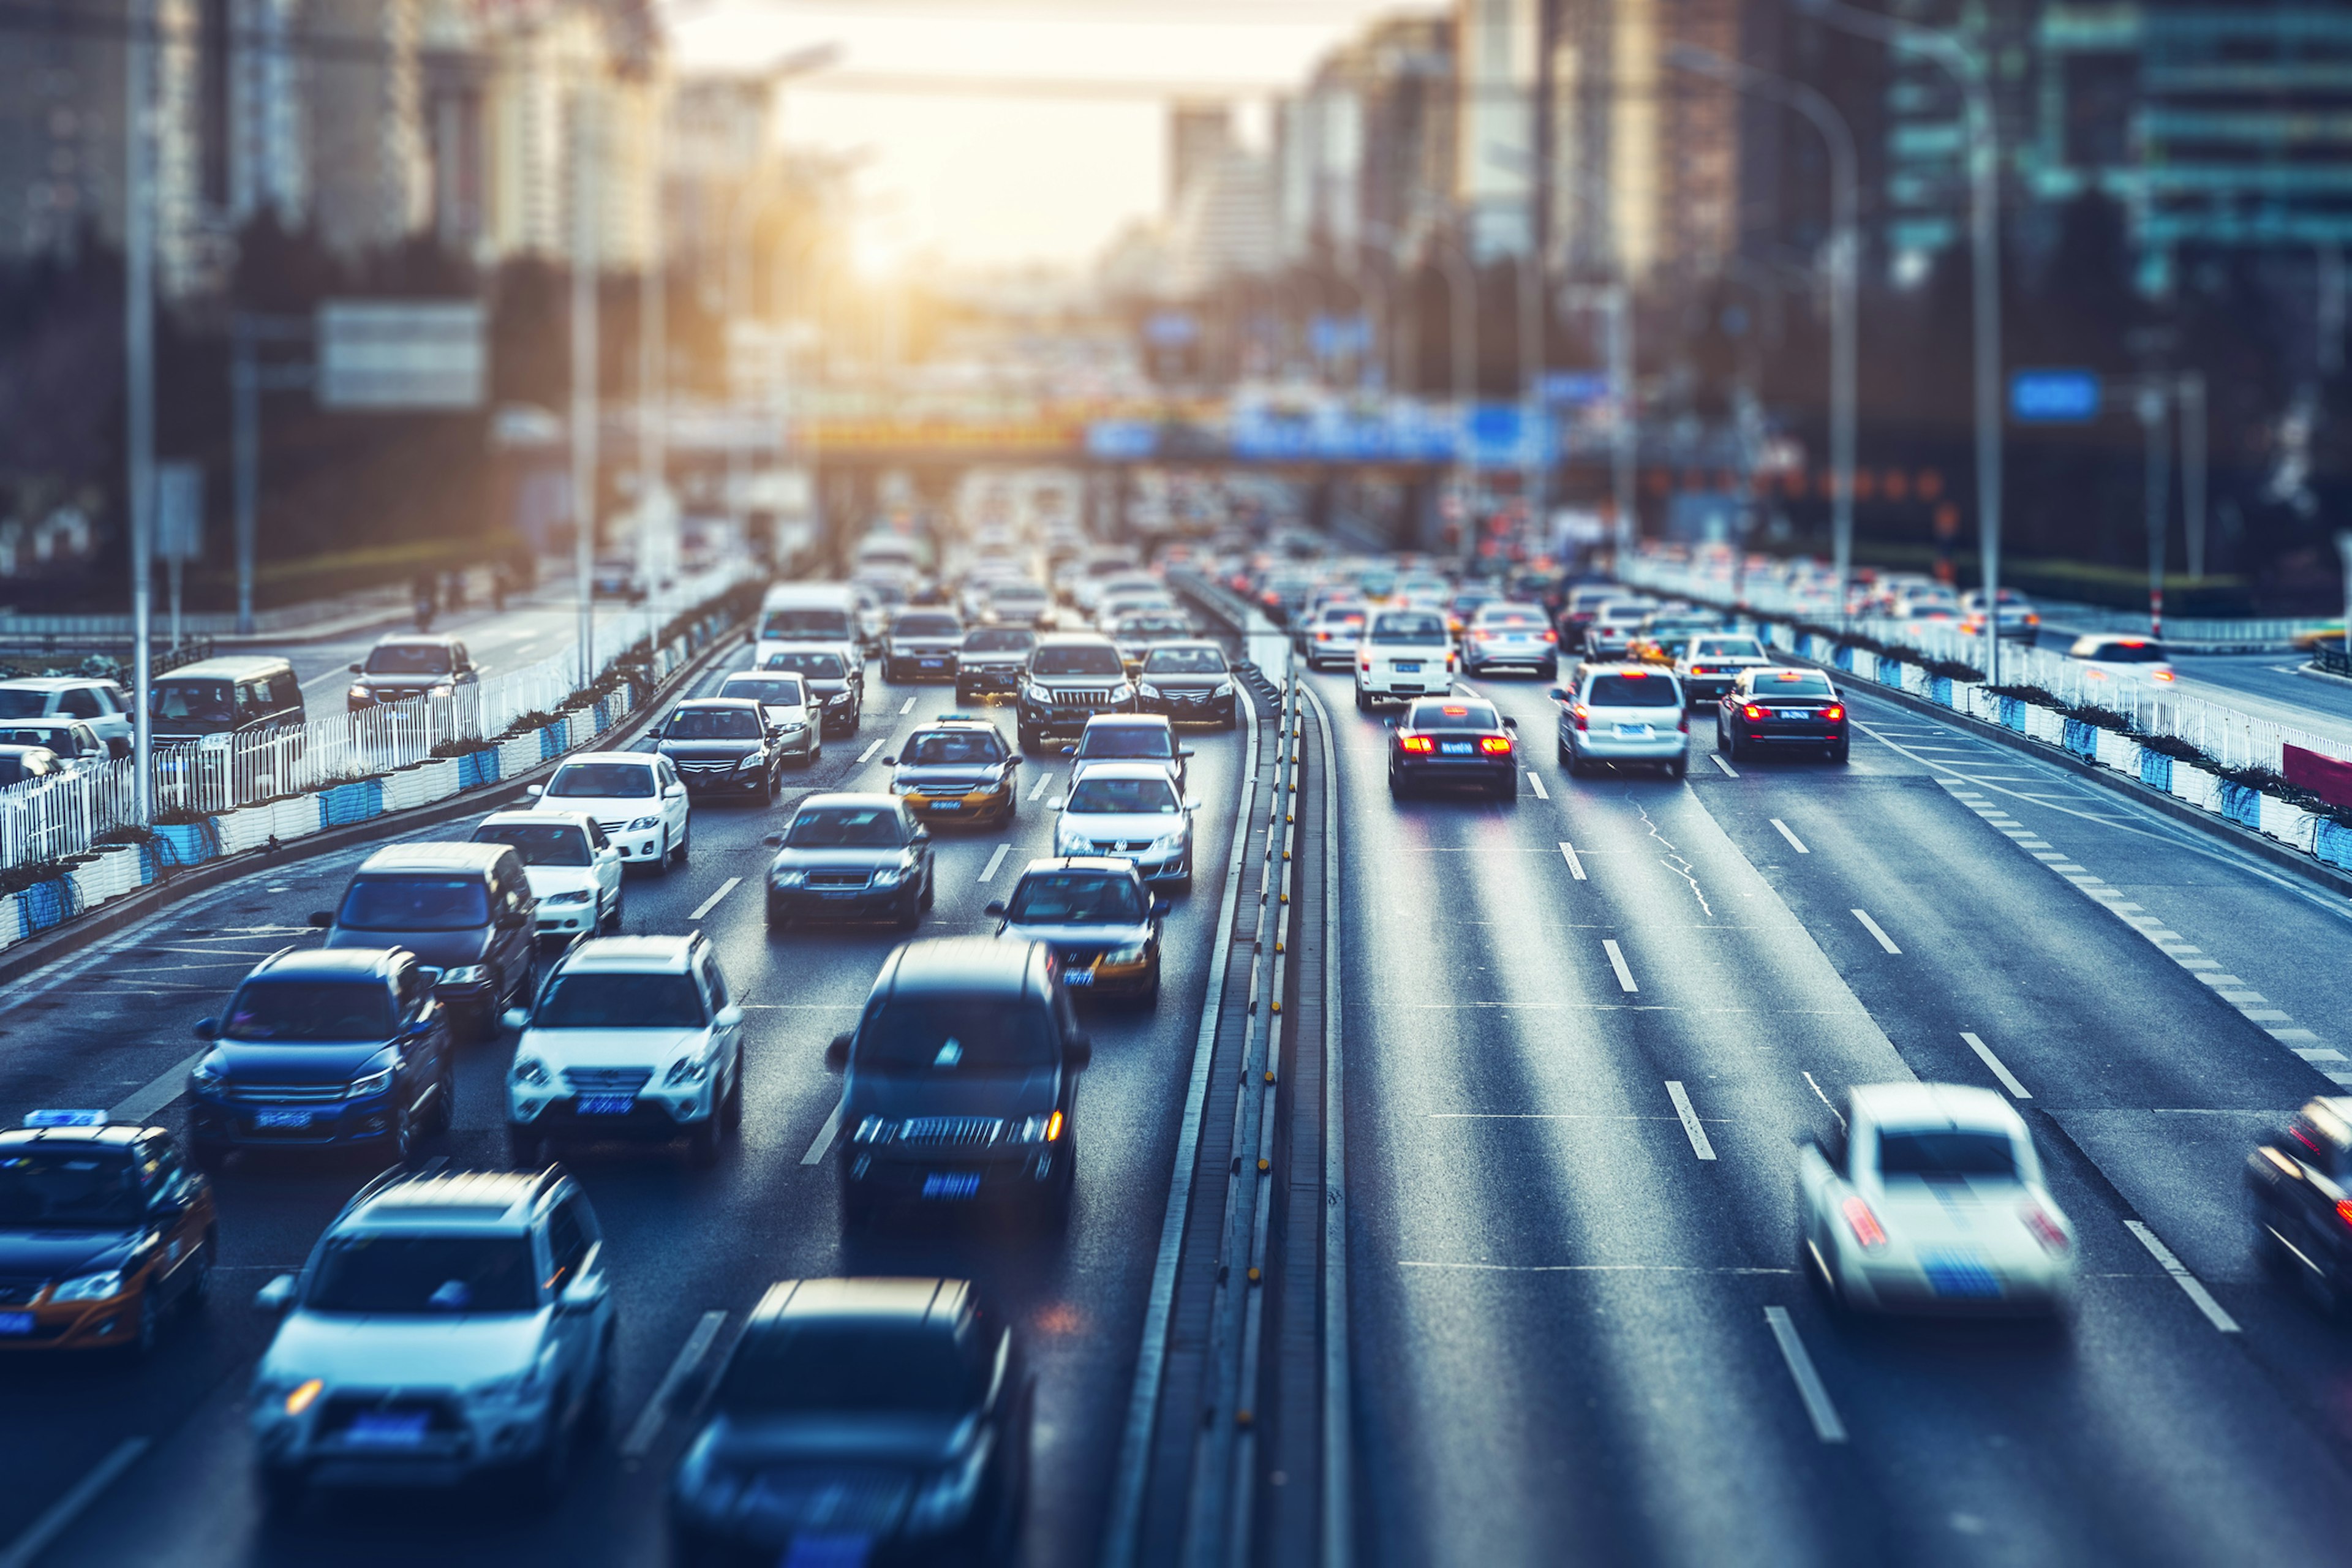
pixel 2122 658
pixel 723 746
pixel 1782 710
pixel 2297 1180
pixel 1188 681
pixel 1100 920
pixel 1446 742
pixel 848 857
pixel 1509 637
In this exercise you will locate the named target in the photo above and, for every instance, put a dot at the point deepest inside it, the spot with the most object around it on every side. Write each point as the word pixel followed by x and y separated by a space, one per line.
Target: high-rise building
pixel 1495 72
pixel 1199 137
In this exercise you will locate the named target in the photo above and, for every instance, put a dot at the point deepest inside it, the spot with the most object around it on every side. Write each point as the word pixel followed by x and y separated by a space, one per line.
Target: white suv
pixel 1623 713
pixel 637 797
pixel 444 1325
pixel 633 1037
pixel 1403 654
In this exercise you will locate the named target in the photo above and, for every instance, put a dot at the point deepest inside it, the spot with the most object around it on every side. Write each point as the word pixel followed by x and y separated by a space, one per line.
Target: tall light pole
pixel 139 339
pixel 584 192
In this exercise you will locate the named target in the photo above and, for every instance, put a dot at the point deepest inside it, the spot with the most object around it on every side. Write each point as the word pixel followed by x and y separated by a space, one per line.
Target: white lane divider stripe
pixel 648 1424
pixel 1795 842
pixel 1535 783
pixel 1039 787
pixel 1872 926
pixel 2190 1286
pixel 711 903
pixel 1575 866
pixel 1728 771
pixel 1617 962
pixel 867 755
pixel 143 1105
pixel 1683 1108
pixel 1984 1054
pixel 906 708
pixel 995 861
pixel 27 1548
pixel 826 1133
pixel 1826 1424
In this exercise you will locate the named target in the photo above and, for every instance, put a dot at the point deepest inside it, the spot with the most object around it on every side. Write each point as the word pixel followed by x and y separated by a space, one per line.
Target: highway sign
pixel 2054 396
pixel 391 355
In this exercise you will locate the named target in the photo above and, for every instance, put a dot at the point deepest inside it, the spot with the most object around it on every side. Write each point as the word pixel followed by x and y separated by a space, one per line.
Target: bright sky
pixel 1023 173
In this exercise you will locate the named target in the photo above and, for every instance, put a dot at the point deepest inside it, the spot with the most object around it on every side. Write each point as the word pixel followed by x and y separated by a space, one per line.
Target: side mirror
pixel 729 1016
pixel 359 669
pixel 1510 723
pixel 276 1296
pixel 1160 906
pixel 1057 803
pixel 836 1053
pixel 585 1293
pixel 534 791
pixel 323 919
pixel 1014 761
pixel 1184 751
pixel 1192 805
pixel 921 835
pixel 1071 750
pixel 206 1029
pixel 773 840
pixel 517 1018
pixel 1077 1051
pixel 889 761
pixel 673 792
pixel 1556 695
pixel 995 907
pixel 1389 723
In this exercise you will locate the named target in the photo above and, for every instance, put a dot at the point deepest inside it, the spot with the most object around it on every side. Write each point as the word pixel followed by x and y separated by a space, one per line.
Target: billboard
pixel 402 355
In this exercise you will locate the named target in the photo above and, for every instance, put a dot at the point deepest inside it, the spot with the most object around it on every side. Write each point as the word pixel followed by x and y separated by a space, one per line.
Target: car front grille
pixel 1074 698
pixel 282 1093
pixel 950 1131
pixel 343 1410
pixel 839 878
pixel 613 826
pixel 607 1080
pixel 705 767
pixel 1121 845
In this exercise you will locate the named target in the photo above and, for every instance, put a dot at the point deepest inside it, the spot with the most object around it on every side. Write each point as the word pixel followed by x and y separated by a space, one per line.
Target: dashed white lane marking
pixel 648 1424
pixel 1728 771
pixel 27 1548
pixel 1683 1108
pixel 906 708
pixel 1575 866
pixel 995 861
pixel 711 903
pixel 1984 1054
pixel 144 1105
pixel 867 755
pixel 1039 787
pixel 1535 783
pixel 2190 1286
pixel 1617 962
pixel 1795 842
pixel 826 1134
pixel 1874 927
pixel 1826 1424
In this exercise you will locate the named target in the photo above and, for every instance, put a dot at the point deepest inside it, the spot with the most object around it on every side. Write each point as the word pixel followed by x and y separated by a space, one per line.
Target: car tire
pixel 730 1105
pixel 662 862
pixel 685 846
pixel 199 1288
pixel 1679 766
pixel 404 1138
pixel 444 1103
pixel 1838 754
pixel 1507 792
pixel 1031 742
pixel 610 922
pixel 1363 703
pixel 931 888
pixel 547 1474
pixel 1576 764
pixel 912 915
pixel 1396 785
pixel 526 1150
pixel 596 1415
pixel 1727 742
pixel 702 1140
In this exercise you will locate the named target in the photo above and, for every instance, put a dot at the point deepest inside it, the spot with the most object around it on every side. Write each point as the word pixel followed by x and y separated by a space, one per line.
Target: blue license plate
pixel 1079 977
pixel 386 1429
pixel 16 1323
pixel 1454 748
pixel 1792 713
pixel 281 1119
pixel 931 663
pixel 828 1552
pixel 1959 1277
pixel 952 1185
pixel 607 1104
pixel 946 805
pixel 1408 668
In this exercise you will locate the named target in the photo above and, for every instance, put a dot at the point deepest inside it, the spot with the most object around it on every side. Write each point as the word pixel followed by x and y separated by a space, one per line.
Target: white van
pixel 809 615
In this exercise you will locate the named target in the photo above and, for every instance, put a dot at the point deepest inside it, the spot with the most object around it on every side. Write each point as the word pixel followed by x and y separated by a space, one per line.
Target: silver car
pixel 1623 713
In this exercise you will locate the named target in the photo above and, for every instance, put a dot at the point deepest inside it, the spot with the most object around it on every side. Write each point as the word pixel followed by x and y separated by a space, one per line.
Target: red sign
pixel 2322 776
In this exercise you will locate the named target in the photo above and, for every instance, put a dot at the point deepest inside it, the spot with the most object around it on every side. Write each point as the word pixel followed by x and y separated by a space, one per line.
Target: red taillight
pixel 2049 1232
pixel 1863 1223
pixel 1753 712
pixel 2344 1211
pixel 1419 743
pixel 1495 746
pixel 1580 715
pixel 1834 713
pixel 2164 674
pixel 1551 636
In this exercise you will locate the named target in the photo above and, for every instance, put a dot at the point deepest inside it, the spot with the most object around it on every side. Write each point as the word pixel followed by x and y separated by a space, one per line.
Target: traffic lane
pixel 2274 678
pixel 496 641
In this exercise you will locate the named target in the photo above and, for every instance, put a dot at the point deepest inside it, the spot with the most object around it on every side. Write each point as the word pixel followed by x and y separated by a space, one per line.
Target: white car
pixel 446 1325
pixel 2123 658
pixel 1623 713
pixel 574 869
pixel 1403 654
pixel 1614 626
pixel 1519 635
pixel 1110 739
pixel 1710 664
pixel 635 798
pixel 100 704
pixel 791 714
pixel 633 1038
pixel 1129 811
pixel 1932 1200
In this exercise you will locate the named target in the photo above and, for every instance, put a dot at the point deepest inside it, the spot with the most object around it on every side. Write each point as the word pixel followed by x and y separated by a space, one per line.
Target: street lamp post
pixel 139 338
pixel 585 130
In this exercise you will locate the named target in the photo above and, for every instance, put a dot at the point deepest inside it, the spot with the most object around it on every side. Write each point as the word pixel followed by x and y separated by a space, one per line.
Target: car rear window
pixel 1453 716
pixel 1416 629
pixel 811 625
pixel 1946 1153
pixel 1631 691
pixel 776 692
pixel 816 665
pixel 1766 689
pixel 927 626
pixel 538 843
pixel 1727 648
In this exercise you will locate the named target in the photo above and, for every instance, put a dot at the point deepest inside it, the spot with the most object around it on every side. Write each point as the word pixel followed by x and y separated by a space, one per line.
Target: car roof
pixel 326 963
pixel 962 963
pixel 1129 721
pixel 417 639
pixel 495 1201
pixel 856 799
pixel 723 704
pixel 1126 768
pixel 643 759
pixel 958 721
pixel 1932 1105
pixel 545 817
pixel 236 668
pixel 902 1303
pixel 1111 864
pixel 1075 639
pixel 53 682
pixel 110 1134
pixel 1627 667
pixel 438 857
pixel 666 954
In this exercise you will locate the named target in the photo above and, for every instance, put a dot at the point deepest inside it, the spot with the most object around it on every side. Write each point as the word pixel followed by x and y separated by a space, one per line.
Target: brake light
pixel 2164 674
pixel 1364 662
pixel 2047 1231
pixel 1834 713
pixel 1551 636
pixel 1863 1223
pixel 1419 743
pixel 1580 715
pixel 1753 712
pixel 1495 746
pixel 1053 1128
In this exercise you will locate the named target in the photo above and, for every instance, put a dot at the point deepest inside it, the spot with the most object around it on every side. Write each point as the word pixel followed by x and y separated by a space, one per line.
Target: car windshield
pixel 1453 716
pixel 1490 620
pixel 602 781
pixel 816 665
pixel 1155 627
pixel 1074 898
pixel 1946 1153
pixel 845 828
pixel 68 1186
pixel 193 702
pixel 1081 658
pixel 805 625
pixel 17 702
pixel 538 843
pixel 587 999
pixel 860 1368
pixel 1727 648
pixel 56 737
pixel 1000 640
pixel 926 627
pixel 424 1274
pixel 409 658
pixel 415 903
pixel 1184 661
pixel 1805 685
pixel 311 1011
pixel 1020 594
pixel 1127 796
pixel 948 747
pixel 775 690
pixel 1632 691
pixel 1126 741
pixel 969 1035
pixel 711 724
pixel 1408 630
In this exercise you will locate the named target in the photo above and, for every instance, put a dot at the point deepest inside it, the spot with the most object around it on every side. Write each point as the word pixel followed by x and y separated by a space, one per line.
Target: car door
pixel 675 806
pixel 727 1018
pixel 605 860
pixel 571 1255
pixel 514 926
pixel 177 1210
pixel 424 1047
pixel 919 837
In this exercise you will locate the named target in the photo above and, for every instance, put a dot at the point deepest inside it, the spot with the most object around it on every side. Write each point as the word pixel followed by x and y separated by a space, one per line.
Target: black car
pixel 921 645
pixel 839 690
pixel 1453 741
pixel 990 660
pixel 1069 679
pixel 1782 710
pixel 851 857
pixel 1099 918
pixel 1188 681
pixel 401 668
pixel 2297 1180
pixel 895 1413
pixel 957 769
pixel 465 909
pixel 723 745
pixel 340 1050
pixel 962 1082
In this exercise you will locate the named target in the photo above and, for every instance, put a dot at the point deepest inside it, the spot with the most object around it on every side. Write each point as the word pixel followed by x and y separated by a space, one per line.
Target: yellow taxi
pixel 105 1232
pixel 957 769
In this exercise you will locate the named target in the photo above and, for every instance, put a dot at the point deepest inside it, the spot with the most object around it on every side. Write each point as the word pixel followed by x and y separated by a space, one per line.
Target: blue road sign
pixel 2054 396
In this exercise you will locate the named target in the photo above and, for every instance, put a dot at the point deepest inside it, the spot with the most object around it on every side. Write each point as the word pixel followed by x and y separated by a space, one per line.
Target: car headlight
pixel 370 1084
pixel 787 877
pixel 749 760
pixel 1225 689
pixel 874 1129
pixel 1036 693
pixel 529 1072
pixel 887 877
pixel 642 823
pixel 791 726
pixel 1142 690
pixel 464 975
pixel 838 699
pixel 206 1079
pixel 577 896
pixel 362 694
pixel 98 1287
pixel 1044 1128
pixel 1168 844
pixel 685 1070
pixel 1125 954
pixel 1122 692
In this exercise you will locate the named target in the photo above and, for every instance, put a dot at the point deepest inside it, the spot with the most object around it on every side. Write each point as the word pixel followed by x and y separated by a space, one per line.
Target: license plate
pixel 385 1430
pixel 839 892
pixel 828 1552
pixel 1793 712
pixel 1634 731
pixel 15 1322
pixel 1959 1277
pixel 281 1119
pixel 946 805
pixel 1454 748
pixel 1079 977
pixel 607 1104
pixel 952 1185
pixel 1403 668
pixel 931 663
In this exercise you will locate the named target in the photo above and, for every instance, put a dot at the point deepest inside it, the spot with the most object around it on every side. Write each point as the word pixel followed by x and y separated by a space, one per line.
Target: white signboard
pixel 391 355
pixel 179 511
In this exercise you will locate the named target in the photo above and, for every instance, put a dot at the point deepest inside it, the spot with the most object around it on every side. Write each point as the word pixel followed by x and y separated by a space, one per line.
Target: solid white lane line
pixel 906 708
pixel 711 903
pixel 995 861
pixel 867 755
pixel 649 1421
pixel 1716 758
pixel 1826 1424
pixel 1872 926
pixel 1039 787
pixel 1683 1108
pixel 2190 1286
pixel 1535 783
pixel 27 1548
pixel 1795 842
pixel 826 1133
pixel 1575 866
pixel 1984 1054
pixel 143 1105
pixel 1617 962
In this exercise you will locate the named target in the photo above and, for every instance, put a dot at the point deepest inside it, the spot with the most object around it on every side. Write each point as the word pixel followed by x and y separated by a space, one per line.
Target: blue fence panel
pixel 1939 687
pixel 189 843
pixel 2081 739
pixel 2155 770
pixel 2333 843
pixel 1844 658
pixel 2012 713
pixel 347 803
pixel 476 769
pixel 2242 805
pixel 603 715
pixel 551 742
pixel 46 904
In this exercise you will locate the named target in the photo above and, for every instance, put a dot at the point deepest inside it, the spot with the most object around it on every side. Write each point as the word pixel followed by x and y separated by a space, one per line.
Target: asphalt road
pixel 112 1029
pixel 1563 1305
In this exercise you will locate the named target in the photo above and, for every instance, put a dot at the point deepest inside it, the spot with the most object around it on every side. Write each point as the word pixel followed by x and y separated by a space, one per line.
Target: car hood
pixel 951 773
pixel 335 1061
pixel 1089 938
pixel 789 858
pixel 784 716
pixel 61 1253
pixel 610 1047
pixel 1010 656
pixel 1184 681
pixel 833 1439
pixel 444 949
pixel 1119 825
pixel 926 1093
pixel 546 881
pixel 925 645
pixel 403 1350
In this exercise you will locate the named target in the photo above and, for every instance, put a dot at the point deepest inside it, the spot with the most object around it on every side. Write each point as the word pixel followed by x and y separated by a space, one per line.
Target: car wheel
pixel 660 861
pixel 1363 703
pixel 1507 792
pixel 685 846
pixel 404 1139
pixel 1728 744
pixel 931 887
pixel 1396 785
pixel 1679 766
pixel 596 1415
pixel 444 1103
pixel 1838 754
pixel 149 1329
pixel 199 1288
pixel 1576 765
pixel 549 1473
pixel 525 1151
pixel 731 1108
pixel 611 920
pixel 702 1139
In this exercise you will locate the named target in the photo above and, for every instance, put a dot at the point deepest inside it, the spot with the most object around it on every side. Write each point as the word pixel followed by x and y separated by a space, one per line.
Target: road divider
pixel 1824 1414
pixel 1875 930
pixel 1992 1063
pixel 1689 1115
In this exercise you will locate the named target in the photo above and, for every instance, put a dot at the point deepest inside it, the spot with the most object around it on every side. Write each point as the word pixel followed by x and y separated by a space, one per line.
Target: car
pixel 215 702
pixel 1509 637
pixel 1185 681
pixel 835 682
pixel 631 1039
pixel 957 769
pixel 1783 711
pixel 1405 653
pixel 1139 631
pixel 2297 1182
pixel 401 668
pixel 1465 602
pixel 106 1235
pixel 1614 626
pixel 72 742
pixel 988 664
pixel 22 765
pixel 1328 637
pixel 1453 741
pixel 795 715
pixel 574 869
pixel 446 1325
pixel 1931 1199
pixel 921 645
pixel 850 856
pixel 1019 604
pixel 1128 738
pixel 1133 811
pixel 466 910
pixel 723 746
pixel 1622 713
pixel 810 616
pixel 100 704
pixel 1070 678
pixel 343 1050
pixel 616 577
pixel 1584 603
pixel 961 1083
pixel 913 1386
pixel 638 800
pixel 1710 662
pixel 1101 921
pixel 2113 658
pixel 2018 618
pixel 1665 639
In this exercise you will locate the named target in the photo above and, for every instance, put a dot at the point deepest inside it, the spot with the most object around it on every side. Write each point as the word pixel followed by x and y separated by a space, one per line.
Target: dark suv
pixel 962 1078
pixel 400 667
pixel 465 909
pixel 1069 679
